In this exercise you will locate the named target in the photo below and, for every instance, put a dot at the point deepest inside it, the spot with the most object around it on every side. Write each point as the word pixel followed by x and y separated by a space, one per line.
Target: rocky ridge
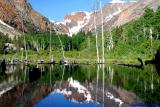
pixel 115 13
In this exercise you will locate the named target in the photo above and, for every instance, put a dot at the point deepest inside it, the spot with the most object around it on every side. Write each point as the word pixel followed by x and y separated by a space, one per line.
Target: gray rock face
pixel 8 30
pixel 20 15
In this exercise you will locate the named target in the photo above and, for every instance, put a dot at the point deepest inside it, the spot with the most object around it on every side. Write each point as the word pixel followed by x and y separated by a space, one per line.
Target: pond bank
pixel 72 60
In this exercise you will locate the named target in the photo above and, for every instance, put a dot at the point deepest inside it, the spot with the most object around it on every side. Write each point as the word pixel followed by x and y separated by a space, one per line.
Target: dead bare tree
pixel 102 31
pixel 95 28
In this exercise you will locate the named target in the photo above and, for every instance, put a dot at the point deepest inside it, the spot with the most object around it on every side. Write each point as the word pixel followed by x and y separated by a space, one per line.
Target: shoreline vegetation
pixel 123 44
pixel 35 58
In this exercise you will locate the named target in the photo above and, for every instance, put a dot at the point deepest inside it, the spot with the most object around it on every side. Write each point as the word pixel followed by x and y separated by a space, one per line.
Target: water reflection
pixel 3 67
pixel 157 66
pixel 78 85
pixel 97 80
pixel 34 74
pixel 103 94
pixel 71 93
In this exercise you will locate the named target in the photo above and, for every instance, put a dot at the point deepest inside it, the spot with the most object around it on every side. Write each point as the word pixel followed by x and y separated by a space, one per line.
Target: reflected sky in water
pixel 58 100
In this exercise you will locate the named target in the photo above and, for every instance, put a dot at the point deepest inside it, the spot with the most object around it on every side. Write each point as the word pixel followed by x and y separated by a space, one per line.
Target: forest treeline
pixel 138 38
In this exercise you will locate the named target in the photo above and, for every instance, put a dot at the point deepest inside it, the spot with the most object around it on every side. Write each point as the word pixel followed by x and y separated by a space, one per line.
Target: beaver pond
pixel 78 86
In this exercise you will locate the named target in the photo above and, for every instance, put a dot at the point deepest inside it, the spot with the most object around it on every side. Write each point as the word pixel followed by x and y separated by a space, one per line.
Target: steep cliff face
pixel 110 11
pixel 20 15
pixel 116 14
pixel 132 12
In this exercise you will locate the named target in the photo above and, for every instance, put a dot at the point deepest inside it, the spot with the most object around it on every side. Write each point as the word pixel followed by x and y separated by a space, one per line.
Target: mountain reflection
pixel 88 85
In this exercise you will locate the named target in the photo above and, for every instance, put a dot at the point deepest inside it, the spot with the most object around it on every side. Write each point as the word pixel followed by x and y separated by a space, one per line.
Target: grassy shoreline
pixel 34 58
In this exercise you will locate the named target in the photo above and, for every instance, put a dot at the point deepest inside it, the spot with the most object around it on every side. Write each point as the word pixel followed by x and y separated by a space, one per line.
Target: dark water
pixel 78 86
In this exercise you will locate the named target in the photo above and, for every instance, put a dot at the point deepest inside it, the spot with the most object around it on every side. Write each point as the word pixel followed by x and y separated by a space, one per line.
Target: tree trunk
pixel 102 32
pixel 95 28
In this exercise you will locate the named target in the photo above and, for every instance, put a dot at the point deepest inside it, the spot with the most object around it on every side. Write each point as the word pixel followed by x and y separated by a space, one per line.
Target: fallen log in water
pixel 139 66
pixel 150 62
pixel 43 62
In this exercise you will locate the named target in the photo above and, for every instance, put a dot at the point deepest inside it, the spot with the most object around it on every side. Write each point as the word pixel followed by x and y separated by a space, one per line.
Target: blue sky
pixel 57 9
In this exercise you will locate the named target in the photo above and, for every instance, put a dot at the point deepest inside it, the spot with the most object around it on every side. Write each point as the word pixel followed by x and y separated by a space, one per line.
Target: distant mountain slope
pixel 131 12
pixel 114 14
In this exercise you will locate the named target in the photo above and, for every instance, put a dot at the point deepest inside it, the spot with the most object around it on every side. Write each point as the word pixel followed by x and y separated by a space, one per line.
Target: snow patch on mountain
pixel 117 12
pixel 62 22
pixel 80 24
pixel 122 1
pixel 52 21
pixel 74 13
pixel 1 22
pixel 76 29
pixel 8 30
pixel 112 15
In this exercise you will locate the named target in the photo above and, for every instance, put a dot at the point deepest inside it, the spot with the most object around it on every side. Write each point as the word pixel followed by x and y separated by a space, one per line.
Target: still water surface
pixel 78 86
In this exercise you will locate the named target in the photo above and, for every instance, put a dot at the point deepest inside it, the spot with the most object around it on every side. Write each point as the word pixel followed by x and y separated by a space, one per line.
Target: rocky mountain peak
pixel 20 15
pixel 75 21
